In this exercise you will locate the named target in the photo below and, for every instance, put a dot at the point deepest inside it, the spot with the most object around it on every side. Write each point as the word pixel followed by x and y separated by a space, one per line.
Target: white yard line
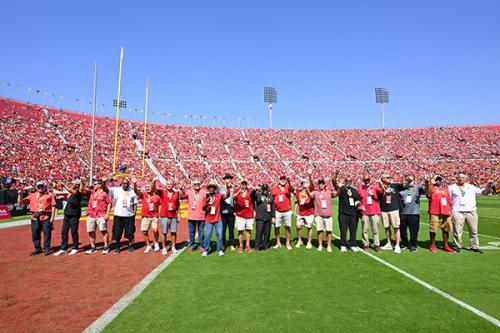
pixel 108 316
pixel 455 300
pixel 482 235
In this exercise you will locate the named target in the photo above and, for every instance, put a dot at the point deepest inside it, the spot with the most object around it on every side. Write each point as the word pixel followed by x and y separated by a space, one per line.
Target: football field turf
pixel 311 291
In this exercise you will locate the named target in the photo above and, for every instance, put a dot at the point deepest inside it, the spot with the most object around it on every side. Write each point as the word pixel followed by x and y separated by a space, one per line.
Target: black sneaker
pixel 130 249
pixel 413 249
pixel 91 250
pixel 117 250
pixel 46 252
pixel 35 252
pixel 477 251
pixel 457 249
pixel 403 246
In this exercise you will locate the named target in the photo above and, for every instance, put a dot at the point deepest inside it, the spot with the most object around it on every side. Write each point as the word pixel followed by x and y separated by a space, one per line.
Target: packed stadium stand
pixel 51 144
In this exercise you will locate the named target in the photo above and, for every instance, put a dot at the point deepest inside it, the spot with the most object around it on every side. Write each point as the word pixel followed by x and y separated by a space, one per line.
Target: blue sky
pixel 440 60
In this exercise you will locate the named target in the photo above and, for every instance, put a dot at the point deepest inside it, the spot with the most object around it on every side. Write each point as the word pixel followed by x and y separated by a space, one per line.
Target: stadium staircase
pixel 226 146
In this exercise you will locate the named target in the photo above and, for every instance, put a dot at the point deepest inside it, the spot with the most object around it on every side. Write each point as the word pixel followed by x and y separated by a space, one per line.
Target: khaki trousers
pixel 370 221
pixel 459 219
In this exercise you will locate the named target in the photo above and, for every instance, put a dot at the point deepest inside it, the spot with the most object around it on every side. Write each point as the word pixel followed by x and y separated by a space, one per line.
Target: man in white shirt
pixel 125 204
pixel 464 210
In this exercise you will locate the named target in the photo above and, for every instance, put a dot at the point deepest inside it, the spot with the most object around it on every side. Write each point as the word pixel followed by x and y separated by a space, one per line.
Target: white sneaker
pixel 277 246
pixel 288 246
pixel 354 249
pixel 157 247
pixel 164 251
pixel 148 248
pixel 343 249
pixel 298 245
pixel 397 249
pixel 106 250
pixel 387 246
pixel 329 249
pixel 309 246
pixel 174 250
pixel 58 253
pixel 73 252
pixel 204 254
pixel 91 250
pixel 221 253
pixel 320 248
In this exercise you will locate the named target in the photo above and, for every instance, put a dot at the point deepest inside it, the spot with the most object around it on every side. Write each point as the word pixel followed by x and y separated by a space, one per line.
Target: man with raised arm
pixel 245 214
pixel 125 205
pixel 370 195
pixel 410 212
pixel 211 207
pixel 304 210
pixel 196 215
pixel 390 205
pixel 169 214
pixel 150 212
pixel 282 194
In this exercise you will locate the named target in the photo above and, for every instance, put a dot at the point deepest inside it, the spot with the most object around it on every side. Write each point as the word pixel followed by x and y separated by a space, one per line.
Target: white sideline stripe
pixel 107 317
pixel 6 225
pixel 455 300
pixel 482 235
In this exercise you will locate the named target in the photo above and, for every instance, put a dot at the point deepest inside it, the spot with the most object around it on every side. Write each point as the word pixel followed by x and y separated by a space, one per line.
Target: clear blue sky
pixel 440 60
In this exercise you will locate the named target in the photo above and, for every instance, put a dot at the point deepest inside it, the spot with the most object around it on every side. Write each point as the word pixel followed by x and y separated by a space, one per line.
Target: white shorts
pixel 324 223
pixel 308 220
pixel 283 218
pixel 243 223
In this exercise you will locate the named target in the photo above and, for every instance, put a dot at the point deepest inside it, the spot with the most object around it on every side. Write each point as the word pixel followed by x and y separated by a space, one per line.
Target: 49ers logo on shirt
pixel 4 212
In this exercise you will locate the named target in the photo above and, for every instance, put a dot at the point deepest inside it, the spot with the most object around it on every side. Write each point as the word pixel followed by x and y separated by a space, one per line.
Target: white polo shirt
pixel 463 201
pixel 123 201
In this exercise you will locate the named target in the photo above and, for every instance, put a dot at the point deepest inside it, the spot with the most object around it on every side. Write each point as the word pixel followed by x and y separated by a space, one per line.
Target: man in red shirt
pixel 282 194
pixel 370 195
pixel 43 208
pixel 150 212
pixel 213 220
pixel 98 215
pixel 439 211
pixel 243 209
pixel 304 210
pixel 169 214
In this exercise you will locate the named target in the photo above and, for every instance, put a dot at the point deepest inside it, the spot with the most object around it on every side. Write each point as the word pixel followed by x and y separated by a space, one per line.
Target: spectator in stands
pixel 227 212
pixel 169 214
pixel 212 206
pixel 304 210
pixel 72 214
pixel 464 210
pixel 125 205
pixel 370 195
pixel 43 207
pixel 390 206
pixel 98 210
pixel 282 194
pixel 410 212
pixel 196 215
pixel 265 212
pixel 245 214
pixel 150 212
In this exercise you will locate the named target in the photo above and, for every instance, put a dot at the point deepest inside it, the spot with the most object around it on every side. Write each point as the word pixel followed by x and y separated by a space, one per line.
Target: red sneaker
pixel 249 249
pixel 449 249
pixel 366 249
pixel 240 249
pixel 190 250
pixel 433 248
pixel 202 250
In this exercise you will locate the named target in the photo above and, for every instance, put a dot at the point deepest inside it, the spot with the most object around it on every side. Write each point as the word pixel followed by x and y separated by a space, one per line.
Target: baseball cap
pixel 227 176
pixel 321 181
pixel 212 184
pixel 244 180
pixel 41 184
pixel 367 177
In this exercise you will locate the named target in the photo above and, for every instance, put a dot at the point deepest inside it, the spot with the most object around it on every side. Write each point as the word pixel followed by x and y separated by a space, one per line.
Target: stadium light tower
pixel 381 97
pixel 270 97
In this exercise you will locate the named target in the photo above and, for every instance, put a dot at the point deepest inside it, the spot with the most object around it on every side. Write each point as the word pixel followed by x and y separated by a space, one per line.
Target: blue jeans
pixel 192 233
pixel 209 227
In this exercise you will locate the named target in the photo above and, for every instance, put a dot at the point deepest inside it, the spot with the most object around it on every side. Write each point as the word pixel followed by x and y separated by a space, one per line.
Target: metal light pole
pixel 91 173
pixel 270 97
pixel 381 97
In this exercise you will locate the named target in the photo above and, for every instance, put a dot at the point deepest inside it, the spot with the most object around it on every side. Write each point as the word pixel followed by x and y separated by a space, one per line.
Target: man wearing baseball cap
pixel 370 195
pixel 43 207
pixel 264 216
pixel 211 206
pixel 282 194
pixel 304 210
pixel 410 211
pixel 196 215
pixel 245 214
pixel 227 212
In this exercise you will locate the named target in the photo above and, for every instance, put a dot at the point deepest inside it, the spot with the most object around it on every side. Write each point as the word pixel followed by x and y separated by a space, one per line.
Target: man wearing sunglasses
pixel 282 194
pixel 390 206
pixel 43 207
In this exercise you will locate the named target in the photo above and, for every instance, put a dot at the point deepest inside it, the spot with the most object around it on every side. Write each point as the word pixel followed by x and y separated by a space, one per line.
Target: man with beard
pixel 150 212
pixel 125 204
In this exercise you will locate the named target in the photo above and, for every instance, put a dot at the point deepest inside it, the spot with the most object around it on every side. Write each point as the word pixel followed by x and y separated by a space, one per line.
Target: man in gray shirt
pixel 409 212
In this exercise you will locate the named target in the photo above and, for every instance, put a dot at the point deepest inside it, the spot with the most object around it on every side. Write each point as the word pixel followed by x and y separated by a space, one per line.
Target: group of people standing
pixel 228 207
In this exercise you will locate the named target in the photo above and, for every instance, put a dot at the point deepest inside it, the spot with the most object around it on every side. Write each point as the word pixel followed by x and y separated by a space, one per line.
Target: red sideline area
pixel 66 293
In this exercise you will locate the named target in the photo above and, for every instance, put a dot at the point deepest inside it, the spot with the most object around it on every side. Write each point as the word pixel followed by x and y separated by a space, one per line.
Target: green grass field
pixel 309 291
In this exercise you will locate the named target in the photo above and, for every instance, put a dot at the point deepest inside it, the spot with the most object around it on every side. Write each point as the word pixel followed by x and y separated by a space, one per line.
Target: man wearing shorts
pixel 125 205
pixel 304 210
pixel 390 205
pixel 150 212
pixel 370 195
pixel 282 194
pixel 98 210
pixel 323 213
pixel 243 209
pixel 169 214
pixel 439 212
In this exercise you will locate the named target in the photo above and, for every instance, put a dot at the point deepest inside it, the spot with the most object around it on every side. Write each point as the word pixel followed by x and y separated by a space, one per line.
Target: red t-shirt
pixel 282 198
pixel 306 204
pixel 212 213
pixel 440 201
pixel 243 206
pixel 169 202
pixel 40 203
pixel 150 205
pixel 370 199
pixel 98 204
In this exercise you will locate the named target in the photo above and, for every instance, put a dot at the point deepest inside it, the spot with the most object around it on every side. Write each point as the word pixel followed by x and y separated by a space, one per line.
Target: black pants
pixel 228 223
pixel 413 222
pixel 262 234
pixel 37 227
pixel 70 222
pixel 123 224
pixel 348 222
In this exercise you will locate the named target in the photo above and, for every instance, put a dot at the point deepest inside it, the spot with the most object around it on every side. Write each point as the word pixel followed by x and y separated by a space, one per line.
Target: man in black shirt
pixel 264 216
pixel 72 214
pixel 390 203
pixel 227 212
pixel 349 202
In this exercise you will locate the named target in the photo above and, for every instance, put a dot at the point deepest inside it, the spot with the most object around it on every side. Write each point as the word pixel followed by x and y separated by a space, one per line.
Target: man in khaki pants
pixel 464 210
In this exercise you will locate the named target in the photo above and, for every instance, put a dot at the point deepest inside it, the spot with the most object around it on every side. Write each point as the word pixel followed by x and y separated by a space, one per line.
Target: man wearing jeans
pixel 282 194
pixel 464 210
pixel 196 215
pixel 370 195
pixel 213 221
